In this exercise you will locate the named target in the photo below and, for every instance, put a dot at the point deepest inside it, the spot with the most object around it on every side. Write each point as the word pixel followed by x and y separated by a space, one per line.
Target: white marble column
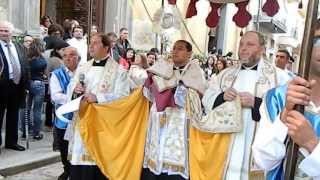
pixel 118 15
pixel 24 15
pixel 4 10
pixel 32 17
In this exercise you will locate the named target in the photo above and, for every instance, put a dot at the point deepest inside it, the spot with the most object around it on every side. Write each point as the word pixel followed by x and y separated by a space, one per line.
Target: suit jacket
pixel 122 49
pixel 25 73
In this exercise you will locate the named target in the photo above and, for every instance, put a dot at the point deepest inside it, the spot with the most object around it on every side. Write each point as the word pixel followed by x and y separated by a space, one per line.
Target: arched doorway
pixel 76 9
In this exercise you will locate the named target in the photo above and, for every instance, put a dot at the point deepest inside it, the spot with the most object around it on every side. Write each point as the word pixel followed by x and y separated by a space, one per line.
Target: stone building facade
pixel 24 14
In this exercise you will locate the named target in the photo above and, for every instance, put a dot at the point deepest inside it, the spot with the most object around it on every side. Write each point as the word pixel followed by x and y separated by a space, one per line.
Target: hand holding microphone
pixel 80 87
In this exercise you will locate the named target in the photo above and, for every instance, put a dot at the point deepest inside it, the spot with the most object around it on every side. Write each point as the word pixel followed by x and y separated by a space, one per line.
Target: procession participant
pixel 232 102
pixel 279 120
pixel 99 80
pixel 169 87
pixel 59 81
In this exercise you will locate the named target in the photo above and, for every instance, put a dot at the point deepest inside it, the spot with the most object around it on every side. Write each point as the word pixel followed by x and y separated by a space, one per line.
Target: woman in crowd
pixel 128 59
pixel 137 71
pixel 55 31
pixel 219 66
pixel 38 66
pixel 209 67
pixel 45 22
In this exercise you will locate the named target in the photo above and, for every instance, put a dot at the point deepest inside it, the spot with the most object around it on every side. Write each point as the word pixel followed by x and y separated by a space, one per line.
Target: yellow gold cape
pixel 208 154
pixel 114 135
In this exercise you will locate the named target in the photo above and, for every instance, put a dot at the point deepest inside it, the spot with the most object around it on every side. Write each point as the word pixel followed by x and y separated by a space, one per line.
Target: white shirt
pixel 14 53
pixel 56 92
pixel 81 46
pixel 269 148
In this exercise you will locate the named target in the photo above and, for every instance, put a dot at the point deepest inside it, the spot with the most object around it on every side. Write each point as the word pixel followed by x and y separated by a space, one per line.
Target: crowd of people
pixel 174 118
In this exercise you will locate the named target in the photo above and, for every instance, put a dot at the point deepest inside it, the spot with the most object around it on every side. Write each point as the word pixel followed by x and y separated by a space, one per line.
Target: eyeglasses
pixel 316 41
pixel 57 33
pixel 279 56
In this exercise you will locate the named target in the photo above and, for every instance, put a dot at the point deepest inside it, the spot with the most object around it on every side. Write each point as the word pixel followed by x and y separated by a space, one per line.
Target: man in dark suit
pixel 123 42
pixel 13 82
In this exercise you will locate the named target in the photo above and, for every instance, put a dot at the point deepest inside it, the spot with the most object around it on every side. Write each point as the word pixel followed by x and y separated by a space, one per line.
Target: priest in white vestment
pixel 232 102
pixel 99 80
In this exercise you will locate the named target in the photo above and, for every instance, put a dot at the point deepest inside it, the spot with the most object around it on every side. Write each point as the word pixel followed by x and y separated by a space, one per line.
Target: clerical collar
pixel 178 68
pixel 254 68
pixel 100 62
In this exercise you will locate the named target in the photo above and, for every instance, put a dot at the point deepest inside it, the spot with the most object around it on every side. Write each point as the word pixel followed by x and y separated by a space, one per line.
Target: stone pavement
pixel 49 172
pixel 39 154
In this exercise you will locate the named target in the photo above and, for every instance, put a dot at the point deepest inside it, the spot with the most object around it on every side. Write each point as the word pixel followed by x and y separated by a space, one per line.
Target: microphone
pixel 81 81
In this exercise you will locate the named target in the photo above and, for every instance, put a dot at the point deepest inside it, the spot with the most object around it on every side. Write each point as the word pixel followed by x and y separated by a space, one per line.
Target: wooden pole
pixel 304 66
pixel 89 19
pixel 162 38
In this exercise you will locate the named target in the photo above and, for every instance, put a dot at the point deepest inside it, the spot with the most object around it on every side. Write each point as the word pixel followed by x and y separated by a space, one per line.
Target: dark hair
pixel 224 62
pixel 27 35
pixel 104 39
pixel 286 52
pixel 36 49
pixel 67 25
pixel 123 29
pixel 44 19
pixel 112 34
pixel 154 50
pixel 187 44
pixel 152 53
pixel 207 62
pixel 55 27
pixel 134 54
pixel 77 27
pixel 57 44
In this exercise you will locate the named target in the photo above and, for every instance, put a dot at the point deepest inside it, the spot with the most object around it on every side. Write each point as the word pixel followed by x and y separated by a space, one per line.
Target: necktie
pixel 15 66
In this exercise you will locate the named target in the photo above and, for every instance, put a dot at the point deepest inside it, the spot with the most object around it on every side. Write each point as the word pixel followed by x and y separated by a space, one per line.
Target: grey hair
pixel 261 39
pixel 8 24
pixel 75 49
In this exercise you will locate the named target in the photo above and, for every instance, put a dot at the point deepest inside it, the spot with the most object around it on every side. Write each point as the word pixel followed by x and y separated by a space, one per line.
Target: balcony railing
pixel 273 25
